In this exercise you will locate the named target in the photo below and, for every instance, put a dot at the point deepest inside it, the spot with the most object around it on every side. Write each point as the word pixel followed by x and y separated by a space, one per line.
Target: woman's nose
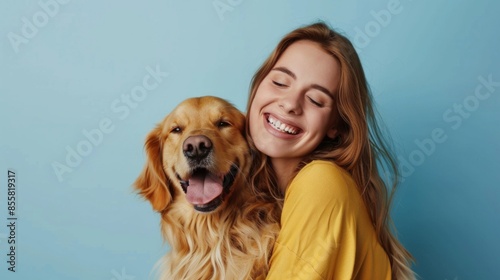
pixel 290 103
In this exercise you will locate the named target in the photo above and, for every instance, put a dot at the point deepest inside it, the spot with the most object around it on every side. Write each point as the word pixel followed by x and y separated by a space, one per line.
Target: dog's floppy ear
pixel 152 183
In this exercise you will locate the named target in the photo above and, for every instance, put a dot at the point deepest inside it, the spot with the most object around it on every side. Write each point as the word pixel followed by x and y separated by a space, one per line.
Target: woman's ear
pixel 331 133
pixel 152 183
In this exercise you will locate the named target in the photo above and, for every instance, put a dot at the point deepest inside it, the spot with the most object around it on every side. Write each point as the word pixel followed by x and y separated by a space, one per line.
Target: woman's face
pixel 293 107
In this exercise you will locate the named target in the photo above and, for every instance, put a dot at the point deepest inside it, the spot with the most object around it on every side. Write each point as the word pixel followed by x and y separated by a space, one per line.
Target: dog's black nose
pixel 197 147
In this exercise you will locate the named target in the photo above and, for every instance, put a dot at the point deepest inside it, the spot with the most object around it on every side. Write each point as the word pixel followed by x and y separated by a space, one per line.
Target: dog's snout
pixel 197 147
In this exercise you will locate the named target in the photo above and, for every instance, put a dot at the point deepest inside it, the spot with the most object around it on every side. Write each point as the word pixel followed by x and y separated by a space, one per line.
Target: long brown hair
pixel 359 147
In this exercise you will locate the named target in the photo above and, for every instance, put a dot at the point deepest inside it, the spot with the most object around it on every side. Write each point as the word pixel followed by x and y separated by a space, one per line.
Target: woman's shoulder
pixel 322 180
pixel 323 166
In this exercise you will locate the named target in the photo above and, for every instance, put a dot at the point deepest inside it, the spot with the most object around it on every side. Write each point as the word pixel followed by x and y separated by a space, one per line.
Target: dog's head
pixel 198 151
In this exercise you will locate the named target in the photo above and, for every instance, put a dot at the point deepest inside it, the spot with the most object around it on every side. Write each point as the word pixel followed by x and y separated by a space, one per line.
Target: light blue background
pixel 420 63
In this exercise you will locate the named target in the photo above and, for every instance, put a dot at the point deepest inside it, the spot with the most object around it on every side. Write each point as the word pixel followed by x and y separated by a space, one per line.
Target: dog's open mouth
pixel 206 190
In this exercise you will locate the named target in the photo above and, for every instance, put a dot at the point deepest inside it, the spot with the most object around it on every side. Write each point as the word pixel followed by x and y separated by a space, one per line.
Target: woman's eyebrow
pixel 323 90
pixel 315 86
pixel 286 71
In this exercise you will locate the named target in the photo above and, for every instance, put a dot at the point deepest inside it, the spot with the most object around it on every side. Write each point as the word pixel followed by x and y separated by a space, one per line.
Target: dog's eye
pixel 223 124
pixel 176 130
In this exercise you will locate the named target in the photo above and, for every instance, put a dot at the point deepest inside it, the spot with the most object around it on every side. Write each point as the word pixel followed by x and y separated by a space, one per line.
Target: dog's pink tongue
pixel 203 188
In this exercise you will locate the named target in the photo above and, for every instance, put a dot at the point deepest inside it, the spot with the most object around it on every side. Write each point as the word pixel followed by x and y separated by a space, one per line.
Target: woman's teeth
pixel 281 126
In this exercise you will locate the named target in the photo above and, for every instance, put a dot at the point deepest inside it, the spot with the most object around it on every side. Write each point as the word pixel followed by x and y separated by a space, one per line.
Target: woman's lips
pixel 280 128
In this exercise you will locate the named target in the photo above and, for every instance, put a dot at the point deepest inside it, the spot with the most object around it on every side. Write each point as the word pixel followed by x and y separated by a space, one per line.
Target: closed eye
pixel 279 84
pixel 316 103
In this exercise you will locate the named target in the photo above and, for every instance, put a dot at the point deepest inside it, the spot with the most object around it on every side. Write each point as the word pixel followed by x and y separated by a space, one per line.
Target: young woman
pixel 316 145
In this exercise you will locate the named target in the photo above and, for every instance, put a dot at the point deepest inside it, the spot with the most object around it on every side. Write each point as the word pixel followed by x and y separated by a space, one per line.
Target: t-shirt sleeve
pixel 318 235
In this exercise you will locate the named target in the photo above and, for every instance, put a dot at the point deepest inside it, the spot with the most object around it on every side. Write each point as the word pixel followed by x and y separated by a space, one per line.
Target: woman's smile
pixel 281 128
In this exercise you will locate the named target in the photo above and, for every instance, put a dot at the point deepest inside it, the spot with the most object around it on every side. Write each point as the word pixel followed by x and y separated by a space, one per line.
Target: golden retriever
pixel 196 177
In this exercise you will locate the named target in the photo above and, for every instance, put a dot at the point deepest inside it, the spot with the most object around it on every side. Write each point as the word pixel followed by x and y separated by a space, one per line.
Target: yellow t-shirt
pixel 326 230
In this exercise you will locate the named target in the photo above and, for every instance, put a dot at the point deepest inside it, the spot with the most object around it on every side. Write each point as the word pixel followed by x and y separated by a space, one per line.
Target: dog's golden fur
pixel 233 241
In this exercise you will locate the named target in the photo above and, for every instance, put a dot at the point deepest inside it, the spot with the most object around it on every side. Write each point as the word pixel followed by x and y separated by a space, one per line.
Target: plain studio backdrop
pixel 83 82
